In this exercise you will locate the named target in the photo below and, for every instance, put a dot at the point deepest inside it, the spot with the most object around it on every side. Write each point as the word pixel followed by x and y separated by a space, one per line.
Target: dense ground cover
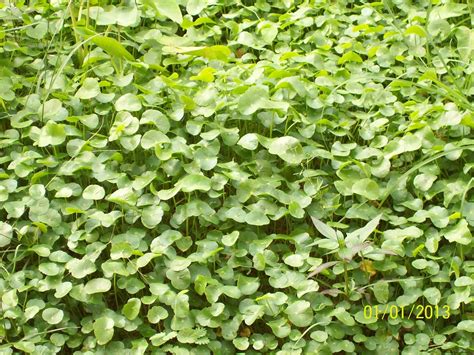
pixel 209 176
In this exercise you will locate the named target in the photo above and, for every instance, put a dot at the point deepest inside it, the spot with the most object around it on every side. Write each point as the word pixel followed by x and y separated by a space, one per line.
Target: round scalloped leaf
pixel 99 285
pixel 128 102
pixel 287 148
pixel 132 308
pixel 93 192
pixel 89 89
pixel 52 134
pixel 52 315
pixel 103 329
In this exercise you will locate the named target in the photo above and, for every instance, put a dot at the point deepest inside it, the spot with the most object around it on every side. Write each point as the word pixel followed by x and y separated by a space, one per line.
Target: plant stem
pixel 346 279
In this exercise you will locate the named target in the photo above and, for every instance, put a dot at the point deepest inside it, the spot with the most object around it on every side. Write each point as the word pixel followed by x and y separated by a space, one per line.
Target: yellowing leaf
pixel 359 28
pixel 415 30
pixel 218 52
pixel 372 51
pixel 367 266
pixel 350 57
pixel 205 75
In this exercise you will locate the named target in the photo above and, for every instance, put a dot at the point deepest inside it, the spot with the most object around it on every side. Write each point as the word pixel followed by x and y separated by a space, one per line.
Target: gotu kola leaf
pixel 53 315
pixel 167 8
pixel 98 285
pixel 257 98
pixel 52 134
pixel 103 329
pixel 131 308
pixel 287 148
pixel 89 89
pixel 194 182
pixel 93 192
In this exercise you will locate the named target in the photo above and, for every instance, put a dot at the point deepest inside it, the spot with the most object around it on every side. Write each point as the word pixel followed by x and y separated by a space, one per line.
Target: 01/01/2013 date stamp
pixel 419 311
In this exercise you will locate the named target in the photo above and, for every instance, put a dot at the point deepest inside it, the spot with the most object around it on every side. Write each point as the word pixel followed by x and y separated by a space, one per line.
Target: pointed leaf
pixel 112 47
pixel 324 229
pixel 360 235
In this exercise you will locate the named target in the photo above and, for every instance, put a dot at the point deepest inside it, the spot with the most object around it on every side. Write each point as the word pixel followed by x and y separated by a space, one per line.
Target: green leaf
pixel 257 218
pixel 38 31
pixel 123 196
pixel 151 216
pixel 247 285
pixel 206 75
pixel 360 235
pixel 361 318
pixel 93 192
pixel 103 330
pixel 10 298
pixel 459 233
pixel 167 194
pixel 89 89
pixel 344 316
pixel 464 281
pixel 132 308
pixel 423 182
pixel 324 229
pixel 241 343
pixel 153 137
pixel 128 102
pixel 179 264
pixel 249 141
pixel 91 121
pixel 50 269
pixel 432 295
pixel 280 327
pixel 52 315
pixel 300 313
pixel 168 8
pixel 252 100
pixel 157 313
pixel 161 338
pixel 194 7
pixel 194 182
pixel 113 47
pixel 466 325
pixel 52 134
pixel 448 10
pixel 319 335
pixel 367 188
pixel 256 98
pixel 6 234
pixel 3 193
pixel 80 268
pixel 294 260
pixel 26 346
pixel 99 285
pixel 381 292
pixel 230 239
pixel 465 39
pixel 144 180
pixel 287 148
